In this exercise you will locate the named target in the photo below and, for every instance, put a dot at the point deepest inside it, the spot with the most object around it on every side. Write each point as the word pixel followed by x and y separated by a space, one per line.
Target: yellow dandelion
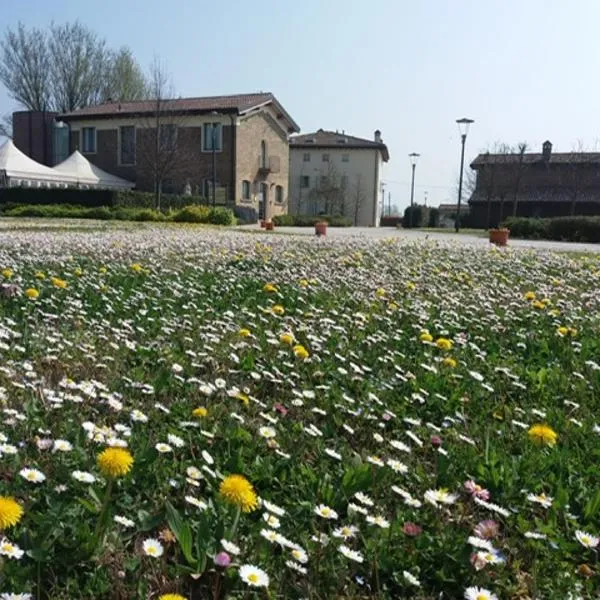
pixel 539 305
pixel 243 398
pixel 103 269
pixel 245 332
pixel 171 597
pixel 529 296
pixel 449 362
pixel 40 275
pixel 32 293
pixel 410 285
pixel 137 268
pixel 270 288
pixel 426 337
pixel 380 292
pixel 115 462
pixel 443 343
pixel 59 283
pixel 7 273
pixel 78 272
pixel 278 310
pixel 200 412
pixel 237 490
pixel 286 338
pixel 303 283
pixel 301 352
pixel 10 512
pixel 542 434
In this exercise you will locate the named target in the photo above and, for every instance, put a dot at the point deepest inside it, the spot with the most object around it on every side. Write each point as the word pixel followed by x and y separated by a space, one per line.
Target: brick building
pixel 542 184
pixel 250 156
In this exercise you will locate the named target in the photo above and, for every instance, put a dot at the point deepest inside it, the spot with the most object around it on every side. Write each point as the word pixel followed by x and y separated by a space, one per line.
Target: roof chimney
pixel 546 150
pixel 378 136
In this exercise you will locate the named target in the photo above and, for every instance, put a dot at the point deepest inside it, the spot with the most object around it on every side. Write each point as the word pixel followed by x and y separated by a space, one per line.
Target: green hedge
pixel 188 214
pixel 310 220
pixel 99 198
pixel 568 229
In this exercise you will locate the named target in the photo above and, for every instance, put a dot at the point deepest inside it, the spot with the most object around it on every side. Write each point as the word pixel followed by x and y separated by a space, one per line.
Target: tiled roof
pixel 237 104
pixel 537 157
pixel 335 139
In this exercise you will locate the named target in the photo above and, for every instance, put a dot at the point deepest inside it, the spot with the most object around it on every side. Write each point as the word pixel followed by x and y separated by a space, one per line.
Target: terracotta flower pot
pixel 269 225
pixel 499 236
pixel 321 228
pixel 262 223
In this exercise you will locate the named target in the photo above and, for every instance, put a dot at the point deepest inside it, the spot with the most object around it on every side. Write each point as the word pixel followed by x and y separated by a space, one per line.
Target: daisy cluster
pixel 194 412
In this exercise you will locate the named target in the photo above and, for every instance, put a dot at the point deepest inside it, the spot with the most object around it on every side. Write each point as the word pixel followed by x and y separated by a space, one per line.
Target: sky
pixel 524 70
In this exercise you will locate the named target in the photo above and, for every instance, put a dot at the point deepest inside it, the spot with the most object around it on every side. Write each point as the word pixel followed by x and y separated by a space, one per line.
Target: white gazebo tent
pixel 18 170
pixel 81 172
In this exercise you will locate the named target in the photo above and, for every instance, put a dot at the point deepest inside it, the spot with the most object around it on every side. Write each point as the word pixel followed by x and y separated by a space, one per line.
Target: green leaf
pixel 182 532
pixel 592 506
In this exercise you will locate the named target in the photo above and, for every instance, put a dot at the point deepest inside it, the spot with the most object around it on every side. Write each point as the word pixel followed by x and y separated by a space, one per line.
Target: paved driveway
pixel 415 234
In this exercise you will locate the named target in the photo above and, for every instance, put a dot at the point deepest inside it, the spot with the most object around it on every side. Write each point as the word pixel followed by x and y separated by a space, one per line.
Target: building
pixel 40 136
pixel 545 184
pixel 239 143
pixel 337 174
pixel 447 214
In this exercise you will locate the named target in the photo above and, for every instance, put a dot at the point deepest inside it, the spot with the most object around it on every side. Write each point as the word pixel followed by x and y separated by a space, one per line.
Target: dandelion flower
pixel 254 576
pixel 172 597
pixel 586 539
pixel 270 288
pixel 153 547
pixel 444 344
pixel 426 337
pixel 59 283
pixel 237 490
pixel 244 332
pixel 278 310
pixel 301 352
pixel 449 362
pixel 32 293
pixel 200 412
pixel 10 512
pixel 542 434
pixel 287 338
pixel 115 462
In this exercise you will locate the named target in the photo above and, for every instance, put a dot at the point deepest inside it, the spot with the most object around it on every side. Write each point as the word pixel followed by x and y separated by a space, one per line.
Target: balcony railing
pixel 269 164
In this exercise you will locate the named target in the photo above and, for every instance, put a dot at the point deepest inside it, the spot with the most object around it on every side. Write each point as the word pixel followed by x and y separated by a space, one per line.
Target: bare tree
pixel 24 67
pixel 358 197
pixel 158 152
pixel 329 191
pixel 6 126
pixel 573 178
pixel 521 167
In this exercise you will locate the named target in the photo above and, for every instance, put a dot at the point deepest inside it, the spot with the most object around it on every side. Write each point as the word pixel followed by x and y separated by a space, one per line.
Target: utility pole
pixel 382 197
pixel 413 156
pixel 389 204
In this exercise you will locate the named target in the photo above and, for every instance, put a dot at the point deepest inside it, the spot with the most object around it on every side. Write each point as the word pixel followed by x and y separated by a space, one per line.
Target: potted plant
pixel 321 228
pixel 499 236
pixel 269 225
pixel 263 223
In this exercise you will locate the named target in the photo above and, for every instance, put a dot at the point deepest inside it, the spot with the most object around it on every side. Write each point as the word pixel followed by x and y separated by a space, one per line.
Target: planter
pixel 499 236
pixel 321 228
pixel 262 223
pixel 269 225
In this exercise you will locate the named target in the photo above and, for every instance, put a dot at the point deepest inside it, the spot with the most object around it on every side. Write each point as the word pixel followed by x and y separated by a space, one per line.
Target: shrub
pixel 568 229
pixel 219 215
pixel 434 217
pixel 310 220
pixel 192 214
pixel 420 216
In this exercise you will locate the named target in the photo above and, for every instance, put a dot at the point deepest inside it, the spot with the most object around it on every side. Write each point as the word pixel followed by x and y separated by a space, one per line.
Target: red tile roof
pixel 236 104
pixel 335 139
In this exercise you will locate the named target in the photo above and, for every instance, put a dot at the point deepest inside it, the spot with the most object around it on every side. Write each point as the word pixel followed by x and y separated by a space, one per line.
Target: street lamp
pixel 413 157
pixel 215 126
pixel 463 128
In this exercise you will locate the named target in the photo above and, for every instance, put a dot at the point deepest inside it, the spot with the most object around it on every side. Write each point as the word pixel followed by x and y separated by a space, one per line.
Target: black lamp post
pixel 413 157
pixel 463 128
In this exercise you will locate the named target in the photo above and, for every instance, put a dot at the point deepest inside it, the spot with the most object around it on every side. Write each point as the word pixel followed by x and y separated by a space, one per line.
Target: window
pixel 245 190
pixel 279 194
pixel 324 181
pixel 207 187
pixel 263 154
pixel 168 137
pixel 88 140
pixel 344 182
pixel 127 147
pixel 345 158
pixel 306 157
pixel 212 130
pixel 304 181
pixel 325 157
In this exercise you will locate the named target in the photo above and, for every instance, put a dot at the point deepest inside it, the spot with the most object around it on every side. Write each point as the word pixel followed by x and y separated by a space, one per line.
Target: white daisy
pixel 325 512
pixel 9 549
pixel 83 476
pixel 586 539
pixel 124 521
pixel 230 547
pixel 254 576
pixel 152 547
pixel 32 475
pixel 478 593
pixel 163 448
pixel 351 554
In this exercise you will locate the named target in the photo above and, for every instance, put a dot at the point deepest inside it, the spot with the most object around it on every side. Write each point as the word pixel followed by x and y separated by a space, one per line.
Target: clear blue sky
pixel 525 70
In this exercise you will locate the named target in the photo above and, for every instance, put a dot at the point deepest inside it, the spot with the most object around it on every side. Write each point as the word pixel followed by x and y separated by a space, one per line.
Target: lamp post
pixel 413 157
pixel 214 158
pixel 463 128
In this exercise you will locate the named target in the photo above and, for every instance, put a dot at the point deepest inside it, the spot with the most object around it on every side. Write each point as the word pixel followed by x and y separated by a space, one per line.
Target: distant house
pixel 447 214
pixel 248 133
pixel 337 174
pixel 542 184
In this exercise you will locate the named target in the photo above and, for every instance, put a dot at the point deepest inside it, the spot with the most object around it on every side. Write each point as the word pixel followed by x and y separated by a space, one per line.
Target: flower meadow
pixel 193 413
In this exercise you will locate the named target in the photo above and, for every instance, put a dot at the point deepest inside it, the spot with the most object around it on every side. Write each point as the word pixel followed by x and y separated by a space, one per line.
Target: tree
pixel 330 192
pixel 65 68
pixel 158 153
pixel 125 79
pixel 6 126
pixel 573 177
pixel 358 197
pixel 24 67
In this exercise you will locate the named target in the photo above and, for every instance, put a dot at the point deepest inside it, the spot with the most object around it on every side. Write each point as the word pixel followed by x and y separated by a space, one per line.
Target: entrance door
pixel 262 201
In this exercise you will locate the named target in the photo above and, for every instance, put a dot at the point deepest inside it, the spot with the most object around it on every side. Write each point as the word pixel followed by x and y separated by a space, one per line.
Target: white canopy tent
pixel 18 170
pixel 79 169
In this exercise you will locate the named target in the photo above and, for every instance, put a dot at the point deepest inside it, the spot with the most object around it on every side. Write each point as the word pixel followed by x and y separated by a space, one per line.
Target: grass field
pixel 193 413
